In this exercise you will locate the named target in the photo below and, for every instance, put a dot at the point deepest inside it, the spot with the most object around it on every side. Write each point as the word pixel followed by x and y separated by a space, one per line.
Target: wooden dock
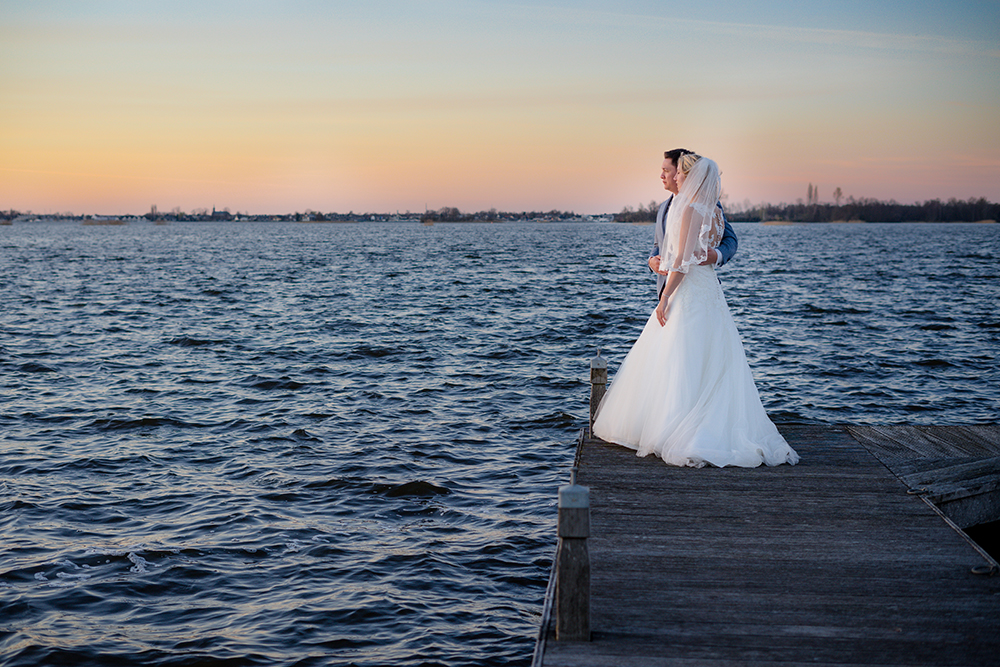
pixel 834 561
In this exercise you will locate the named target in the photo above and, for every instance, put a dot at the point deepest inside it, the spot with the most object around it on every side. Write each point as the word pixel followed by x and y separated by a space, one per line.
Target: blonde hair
pixel 687 161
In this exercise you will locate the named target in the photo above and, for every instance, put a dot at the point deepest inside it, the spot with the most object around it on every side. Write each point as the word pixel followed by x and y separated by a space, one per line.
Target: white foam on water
pixel 139 563
pixel 117 552
pixel 67 580
pixel 294 545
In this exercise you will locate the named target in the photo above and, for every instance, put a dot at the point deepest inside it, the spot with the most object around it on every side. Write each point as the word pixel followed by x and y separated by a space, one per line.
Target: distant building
pixel 221 215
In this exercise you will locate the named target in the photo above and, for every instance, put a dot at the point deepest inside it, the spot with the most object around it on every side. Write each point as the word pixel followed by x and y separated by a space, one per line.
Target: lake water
pixel 339 444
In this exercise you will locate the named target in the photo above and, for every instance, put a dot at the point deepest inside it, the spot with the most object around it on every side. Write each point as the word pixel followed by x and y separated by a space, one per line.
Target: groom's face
pixel 668 175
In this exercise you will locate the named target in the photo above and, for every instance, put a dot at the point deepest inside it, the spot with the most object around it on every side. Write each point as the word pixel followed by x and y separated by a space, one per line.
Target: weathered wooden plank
pixel 957 468
pixel 892 444
pixel 963 474
pixel 829 562
pixel 902 442
pixel 725 649
pixel 981 440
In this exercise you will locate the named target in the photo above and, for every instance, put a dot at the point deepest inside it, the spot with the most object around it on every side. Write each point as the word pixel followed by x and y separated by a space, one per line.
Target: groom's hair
pixel 675 154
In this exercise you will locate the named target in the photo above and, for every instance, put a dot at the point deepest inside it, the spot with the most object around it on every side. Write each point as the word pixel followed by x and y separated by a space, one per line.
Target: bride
pixel 684 391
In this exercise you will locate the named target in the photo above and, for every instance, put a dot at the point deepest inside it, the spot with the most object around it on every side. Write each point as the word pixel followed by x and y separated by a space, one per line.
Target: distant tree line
pixel 447 214
pixel 870 210
pixel 641 214
pixel 451 214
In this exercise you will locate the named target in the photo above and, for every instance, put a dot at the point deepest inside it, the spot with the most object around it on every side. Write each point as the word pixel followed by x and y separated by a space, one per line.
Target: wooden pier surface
pixel 833 561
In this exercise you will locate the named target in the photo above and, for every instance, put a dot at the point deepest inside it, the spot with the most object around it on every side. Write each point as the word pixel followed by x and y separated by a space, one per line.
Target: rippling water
pixel 281 444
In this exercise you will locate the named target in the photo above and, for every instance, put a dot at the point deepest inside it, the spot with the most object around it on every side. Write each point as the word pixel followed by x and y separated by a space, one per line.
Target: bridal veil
pixel 694 220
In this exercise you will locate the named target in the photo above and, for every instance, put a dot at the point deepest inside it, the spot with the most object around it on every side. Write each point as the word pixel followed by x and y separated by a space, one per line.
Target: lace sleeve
pixel 687 239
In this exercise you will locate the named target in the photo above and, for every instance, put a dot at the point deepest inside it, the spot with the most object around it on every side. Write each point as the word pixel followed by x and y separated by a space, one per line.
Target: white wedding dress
pixel 685 392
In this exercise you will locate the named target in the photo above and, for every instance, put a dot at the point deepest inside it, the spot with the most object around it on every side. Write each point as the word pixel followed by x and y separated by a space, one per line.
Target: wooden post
pixel 573 564
pixel 598 385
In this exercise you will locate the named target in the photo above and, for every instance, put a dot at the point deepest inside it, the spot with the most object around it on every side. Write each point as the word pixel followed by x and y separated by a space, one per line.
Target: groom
pixel 727 246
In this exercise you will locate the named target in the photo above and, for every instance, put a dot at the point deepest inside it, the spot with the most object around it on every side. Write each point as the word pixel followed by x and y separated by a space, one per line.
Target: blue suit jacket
pixel 727 246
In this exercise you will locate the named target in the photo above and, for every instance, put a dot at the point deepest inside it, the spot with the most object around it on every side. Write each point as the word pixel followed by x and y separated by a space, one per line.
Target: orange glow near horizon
pixel 336 109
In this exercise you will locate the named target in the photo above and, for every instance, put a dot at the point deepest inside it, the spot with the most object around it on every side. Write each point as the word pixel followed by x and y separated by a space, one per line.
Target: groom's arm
pixel 728 245
pixel 654 255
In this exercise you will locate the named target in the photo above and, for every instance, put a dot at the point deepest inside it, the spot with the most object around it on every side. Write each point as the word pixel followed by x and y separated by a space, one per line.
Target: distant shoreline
pixel 865 222
pixel 851 211
pixel 107 221
pixel 126 221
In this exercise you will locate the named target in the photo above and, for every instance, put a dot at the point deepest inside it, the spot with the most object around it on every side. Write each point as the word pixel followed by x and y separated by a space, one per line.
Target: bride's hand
pixel 661 311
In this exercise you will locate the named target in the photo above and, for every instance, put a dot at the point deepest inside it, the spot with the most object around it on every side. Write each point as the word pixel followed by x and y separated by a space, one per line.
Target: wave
pixel 189 341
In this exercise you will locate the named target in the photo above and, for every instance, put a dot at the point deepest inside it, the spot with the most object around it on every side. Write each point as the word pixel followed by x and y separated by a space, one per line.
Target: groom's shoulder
pixel 662 213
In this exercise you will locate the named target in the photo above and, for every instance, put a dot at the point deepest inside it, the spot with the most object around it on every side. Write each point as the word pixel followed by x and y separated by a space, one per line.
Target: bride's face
pixel 680 178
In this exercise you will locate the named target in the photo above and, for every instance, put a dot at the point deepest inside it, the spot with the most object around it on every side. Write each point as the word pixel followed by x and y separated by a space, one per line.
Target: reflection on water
pixel 339 444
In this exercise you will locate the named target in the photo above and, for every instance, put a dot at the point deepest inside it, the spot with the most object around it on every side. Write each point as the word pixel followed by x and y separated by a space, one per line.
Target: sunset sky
pixel 110 107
